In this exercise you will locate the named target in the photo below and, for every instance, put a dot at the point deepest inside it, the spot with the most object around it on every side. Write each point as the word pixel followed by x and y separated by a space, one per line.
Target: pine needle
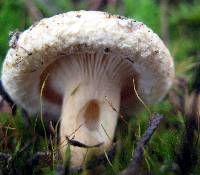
pixel 41 109
pixel 140 99
pixel 107 158
pixel 106 133
pixel 117 111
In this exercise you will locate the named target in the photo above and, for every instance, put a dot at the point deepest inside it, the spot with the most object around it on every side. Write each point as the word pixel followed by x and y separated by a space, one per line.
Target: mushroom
pixel 76 60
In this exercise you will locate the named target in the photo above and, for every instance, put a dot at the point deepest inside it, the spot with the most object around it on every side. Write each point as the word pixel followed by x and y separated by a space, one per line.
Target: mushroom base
pixel 88 118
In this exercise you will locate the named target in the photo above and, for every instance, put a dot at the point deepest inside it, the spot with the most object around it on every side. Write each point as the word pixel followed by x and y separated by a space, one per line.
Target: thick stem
pixel 87 107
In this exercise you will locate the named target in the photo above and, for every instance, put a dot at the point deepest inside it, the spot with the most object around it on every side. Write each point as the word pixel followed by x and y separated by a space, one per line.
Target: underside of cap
pixel 85 32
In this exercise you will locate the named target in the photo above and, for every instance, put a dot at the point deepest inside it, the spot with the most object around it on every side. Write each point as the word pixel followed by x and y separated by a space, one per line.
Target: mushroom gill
pixel 80 82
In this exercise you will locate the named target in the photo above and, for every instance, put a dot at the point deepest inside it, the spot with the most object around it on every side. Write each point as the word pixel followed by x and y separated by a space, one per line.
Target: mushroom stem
pixel 87 110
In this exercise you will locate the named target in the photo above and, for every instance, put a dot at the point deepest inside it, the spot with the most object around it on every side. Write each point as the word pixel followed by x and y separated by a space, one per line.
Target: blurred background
pixel 177 22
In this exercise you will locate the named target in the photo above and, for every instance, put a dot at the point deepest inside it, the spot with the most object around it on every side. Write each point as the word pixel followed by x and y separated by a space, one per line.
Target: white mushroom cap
pixel 66 49
pixel 85 31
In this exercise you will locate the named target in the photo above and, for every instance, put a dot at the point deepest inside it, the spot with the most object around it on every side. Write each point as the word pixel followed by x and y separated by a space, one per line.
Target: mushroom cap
pixel 86 31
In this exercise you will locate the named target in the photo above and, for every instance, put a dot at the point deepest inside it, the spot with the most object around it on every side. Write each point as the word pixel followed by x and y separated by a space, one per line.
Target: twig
pixel 82 145
pixel 7 127
pixel 139 151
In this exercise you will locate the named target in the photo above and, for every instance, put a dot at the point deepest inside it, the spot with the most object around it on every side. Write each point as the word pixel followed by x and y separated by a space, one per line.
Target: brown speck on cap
pixel 78 16
pixel 106 50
